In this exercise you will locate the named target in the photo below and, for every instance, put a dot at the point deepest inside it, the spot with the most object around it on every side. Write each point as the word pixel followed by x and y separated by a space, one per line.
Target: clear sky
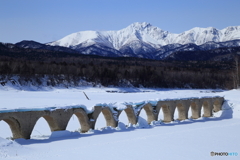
pixel 50 20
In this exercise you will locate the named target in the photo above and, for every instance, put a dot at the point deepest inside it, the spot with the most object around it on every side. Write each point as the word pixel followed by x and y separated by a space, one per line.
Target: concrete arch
pixel 123 118
pixel 182 107
pixel 41 127
pixel 166 113
pixel 207 108
pixel 132 118
pixel 51 123
pixel 195 108
pixel 195 111
pixel 21 123
pixel 109 117
pixel 5 130
pixel 168 108
pixel 57 119
pixel 150 112
pixel 217 104
pixel 83 119
pixel 14 126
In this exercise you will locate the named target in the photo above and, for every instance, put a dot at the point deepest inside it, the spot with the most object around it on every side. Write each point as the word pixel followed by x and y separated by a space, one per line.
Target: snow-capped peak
pixel 138 36
pixel 140 26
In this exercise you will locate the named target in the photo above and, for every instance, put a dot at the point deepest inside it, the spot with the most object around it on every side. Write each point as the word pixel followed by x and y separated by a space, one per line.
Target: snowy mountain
pixel 138 34
pixel 167 50
pixel 143 40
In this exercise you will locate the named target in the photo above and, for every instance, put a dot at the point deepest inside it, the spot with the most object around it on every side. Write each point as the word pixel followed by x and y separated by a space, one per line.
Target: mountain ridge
pixel 147 33
pixel 142 40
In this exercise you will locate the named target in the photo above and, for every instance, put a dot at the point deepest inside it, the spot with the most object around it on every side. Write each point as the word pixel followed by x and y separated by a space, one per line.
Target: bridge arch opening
pixel 123 118
pixel 41 128
pixel 51 123
pixel 100 122
pixel 73 124
pixel 142 119
pixel 5 131
pixel 160 114
pixel 105 119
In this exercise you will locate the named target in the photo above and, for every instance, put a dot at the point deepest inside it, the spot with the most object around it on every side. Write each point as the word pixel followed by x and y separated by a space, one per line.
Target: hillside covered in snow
pixel 146 33
pixel 147 41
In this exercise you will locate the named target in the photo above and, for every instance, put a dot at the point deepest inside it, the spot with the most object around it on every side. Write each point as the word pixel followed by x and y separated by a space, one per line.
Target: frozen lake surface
pixel 189 139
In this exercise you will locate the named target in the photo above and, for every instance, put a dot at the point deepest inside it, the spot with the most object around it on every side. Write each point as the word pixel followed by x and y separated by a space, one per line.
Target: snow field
pixel 189 139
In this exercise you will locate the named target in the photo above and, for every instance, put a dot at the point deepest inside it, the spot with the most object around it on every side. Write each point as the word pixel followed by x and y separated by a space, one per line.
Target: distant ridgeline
pixel 53 66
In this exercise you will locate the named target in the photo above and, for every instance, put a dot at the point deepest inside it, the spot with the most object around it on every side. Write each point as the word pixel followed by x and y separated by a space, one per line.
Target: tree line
pixel 34 65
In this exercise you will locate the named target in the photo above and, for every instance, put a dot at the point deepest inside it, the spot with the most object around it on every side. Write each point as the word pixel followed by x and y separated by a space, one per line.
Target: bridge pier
pixel 217 104
pixel 183 107
pixel 83 119
pixel 132 118
pixel 15 127
pixel 109 117
pixel 168 108
pixel 196 106
pixel 94 115
pixel 149 109
pixel 207 107
pixel 57 119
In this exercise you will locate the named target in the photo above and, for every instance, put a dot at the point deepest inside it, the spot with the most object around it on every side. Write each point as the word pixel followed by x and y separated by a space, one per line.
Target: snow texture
pixel 188 139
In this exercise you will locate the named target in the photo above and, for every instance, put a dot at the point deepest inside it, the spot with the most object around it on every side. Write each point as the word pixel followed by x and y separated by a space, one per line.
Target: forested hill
pixel 38 65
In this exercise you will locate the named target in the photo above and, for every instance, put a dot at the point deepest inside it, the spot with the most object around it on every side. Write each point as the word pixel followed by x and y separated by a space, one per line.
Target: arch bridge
pixel 22 122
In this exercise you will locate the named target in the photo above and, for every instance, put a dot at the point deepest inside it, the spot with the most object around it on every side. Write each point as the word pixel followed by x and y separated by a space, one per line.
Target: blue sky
pixel 50 20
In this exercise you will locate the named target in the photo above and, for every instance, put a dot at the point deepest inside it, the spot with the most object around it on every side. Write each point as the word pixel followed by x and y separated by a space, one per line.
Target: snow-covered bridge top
pixel 22 121
pixel 117 105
